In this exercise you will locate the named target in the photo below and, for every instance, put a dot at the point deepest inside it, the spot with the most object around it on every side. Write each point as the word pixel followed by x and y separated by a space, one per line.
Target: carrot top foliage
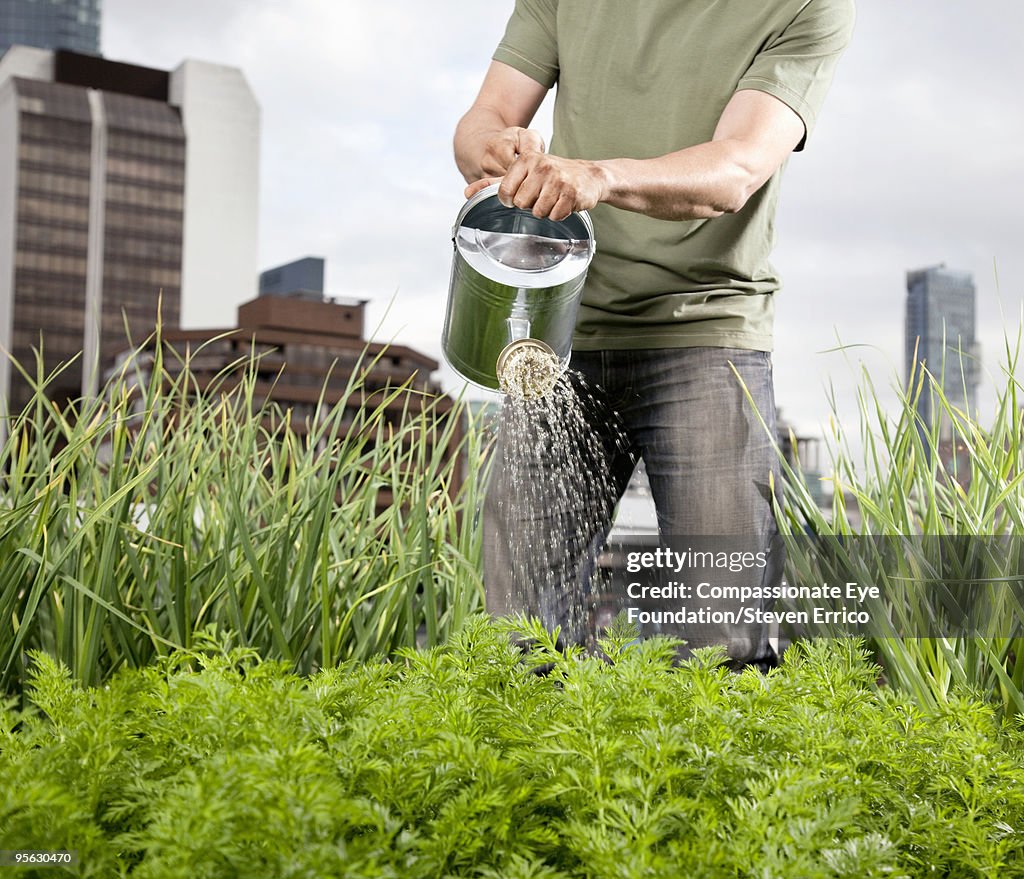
pixel 458 761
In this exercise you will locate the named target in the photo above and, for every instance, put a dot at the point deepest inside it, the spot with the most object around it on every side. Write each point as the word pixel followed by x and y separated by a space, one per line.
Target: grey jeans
pixel 560 469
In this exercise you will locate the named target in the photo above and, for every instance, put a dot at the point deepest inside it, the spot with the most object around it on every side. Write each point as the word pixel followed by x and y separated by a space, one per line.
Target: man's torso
pixel 646 79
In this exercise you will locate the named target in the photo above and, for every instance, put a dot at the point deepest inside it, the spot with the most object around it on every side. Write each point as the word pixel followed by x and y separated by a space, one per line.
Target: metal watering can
pixel 516 284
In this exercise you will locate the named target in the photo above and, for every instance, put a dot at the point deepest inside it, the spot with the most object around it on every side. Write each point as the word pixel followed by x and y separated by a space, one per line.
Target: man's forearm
pixel 700 182
pixel 754 135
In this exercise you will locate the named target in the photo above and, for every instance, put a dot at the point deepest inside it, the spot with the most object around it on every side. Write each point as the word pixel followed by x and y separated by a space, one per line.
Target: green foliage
pixel 971 516
pixel 459 761
pixel 132 522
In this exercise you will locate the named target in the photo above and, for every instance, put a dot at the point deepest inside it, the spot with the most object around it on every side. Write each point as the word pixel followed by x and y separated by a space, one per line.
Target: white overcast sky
pixel 917 160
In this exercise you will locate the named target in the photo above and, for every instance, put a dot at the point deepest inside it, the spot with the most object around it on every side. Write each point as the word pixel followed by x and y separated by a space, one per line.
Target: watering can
pixel 516 284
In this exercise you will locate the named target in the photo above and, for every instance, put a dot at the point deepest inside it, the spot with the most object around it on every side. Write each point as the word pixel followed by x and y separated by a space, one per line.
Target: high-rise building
pixel 940 334
pixel 121 187
pixel 302 278
pixel 51 24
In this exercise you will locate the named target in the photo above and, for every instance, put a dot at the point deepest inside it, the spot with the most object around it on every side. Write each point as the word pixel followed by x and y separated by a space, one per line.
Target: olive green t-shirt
pixel 641 79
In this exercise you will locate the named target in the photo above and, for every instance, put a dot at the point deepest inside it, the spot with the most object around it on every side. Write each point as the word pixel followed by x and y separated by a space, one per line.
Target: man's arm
pixel 495 129
pixel 754 135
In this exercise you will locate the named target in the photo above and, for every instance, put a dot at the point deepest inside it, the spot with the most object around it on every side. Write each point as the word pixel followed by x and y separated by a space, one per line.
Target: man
pixel 673 120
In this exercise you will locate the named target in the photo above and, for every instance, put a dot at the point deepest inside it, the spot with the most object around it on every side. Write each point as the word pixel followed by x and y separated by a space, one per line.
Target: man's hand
pixel 548 186
pixel 494 145
pixel 495 129
pixel 502 149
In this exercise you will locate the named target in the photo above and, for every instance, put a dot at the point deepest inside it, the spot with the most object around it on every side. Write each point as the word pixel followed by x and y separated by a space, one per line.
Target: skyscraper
pixel 120 187
pixel 51 24
pixel 302 277
pixel 940 334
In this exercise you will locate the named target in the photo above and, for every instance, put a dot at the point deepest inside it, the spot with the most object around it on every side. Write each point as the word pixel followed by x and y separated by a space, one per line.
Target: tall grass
pixel 132 522
pixel 972 522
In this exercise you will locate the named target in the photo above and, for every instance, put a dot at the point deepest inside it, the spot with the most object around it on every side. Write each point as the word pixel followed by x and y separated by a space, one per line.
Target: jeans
pixel 711 465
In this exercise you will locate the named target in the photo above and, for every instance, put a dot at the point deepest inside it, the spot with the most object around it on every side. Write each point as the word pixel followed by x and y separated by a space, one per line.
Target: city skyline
pixel 909 166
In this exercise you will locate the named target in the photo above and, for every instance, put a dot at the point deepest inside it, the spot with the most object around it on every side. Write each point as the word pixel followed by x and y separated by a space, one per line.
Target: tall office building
pixel 120 187
pixel 51 24
pixel 940 334
pixel 302 278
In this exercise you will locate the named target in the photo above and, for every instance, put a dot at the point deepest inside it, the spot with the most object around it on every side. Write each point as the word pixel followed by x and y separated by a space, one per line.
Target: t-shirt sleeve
pixel 798 64
pixel 530 44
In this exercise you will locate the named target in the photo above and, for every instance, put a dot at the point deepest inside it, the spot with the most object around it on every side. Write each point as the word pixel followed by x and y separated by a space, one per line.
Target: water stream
pixel 558 494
